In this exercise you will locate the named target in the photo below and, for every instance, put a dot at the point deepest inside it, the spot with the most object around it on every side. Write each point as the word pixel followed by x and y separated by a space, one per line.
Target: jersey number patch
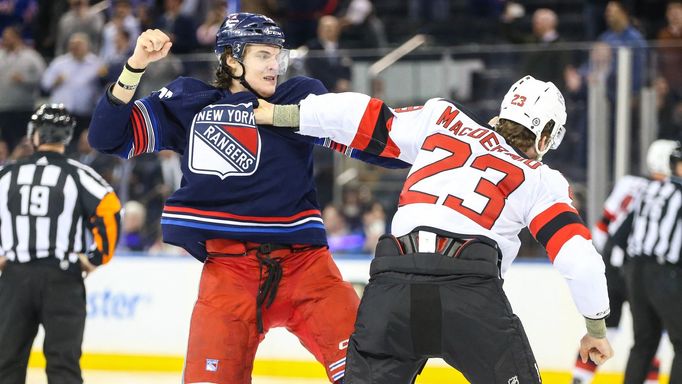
pixel 460 152
pixel 34 200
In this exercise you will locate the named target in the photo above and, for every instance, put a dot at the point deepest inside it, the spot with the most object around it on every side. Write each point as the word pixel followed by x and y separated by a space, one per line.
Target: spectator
pixel 339 235
pixel 49 13
pixel 621 33
pixel 670 53
pixel 73 79
pixel 302 17
pixel 145 14
pixel 180 28
pixel 374 225
pixel 207 31
pixel 134 218
pixel 330 67
pixel 122 20
pixel 19 81
pixel 361 27
pixel 545 61
pixel 593 14
pixel 115 60
pixel 352 207
pixel 16 12
pixel 79 18
pixel 597 68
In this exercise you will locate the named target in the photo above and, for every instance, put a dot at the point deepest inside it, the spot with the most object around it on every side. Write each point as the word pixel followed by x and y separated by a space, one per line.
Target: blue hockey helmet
pixel 239 29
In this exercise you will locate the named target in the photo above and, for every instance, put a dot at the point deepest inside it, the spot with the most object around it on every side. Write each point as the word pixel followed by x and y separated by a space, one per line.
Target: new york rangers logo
pixel 224 141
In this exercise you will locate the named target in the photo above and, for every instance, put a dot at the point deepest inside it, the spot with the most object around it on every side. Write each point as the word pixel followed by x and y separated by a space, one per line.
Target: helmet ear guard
pixel 534 104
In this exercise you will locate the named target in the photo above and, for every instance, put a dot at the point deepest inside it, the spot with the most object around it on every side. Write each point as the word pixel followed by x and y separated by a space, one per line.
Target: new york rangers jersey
pixel 240 181
pixel 466 179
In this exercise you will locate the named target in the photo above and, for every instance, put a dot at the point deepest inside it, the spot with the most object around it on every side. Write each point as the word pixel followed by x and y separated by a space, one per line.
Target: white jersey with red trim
pixel 466 179
pixel 616 207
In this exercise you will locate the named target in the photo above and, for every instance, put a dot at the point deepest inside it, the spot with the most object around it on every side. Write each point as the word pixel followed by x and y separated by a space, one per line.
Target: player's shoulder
pixel 553 181
pixel 296 89
pixel 312 85
pixel 185 86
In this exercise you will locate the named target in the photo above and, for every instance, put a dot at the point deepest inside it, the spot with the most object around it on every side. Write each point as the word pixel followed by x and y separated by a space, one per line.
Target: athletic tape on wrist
pixel 130 77
pixel 285 116
pixel 596 328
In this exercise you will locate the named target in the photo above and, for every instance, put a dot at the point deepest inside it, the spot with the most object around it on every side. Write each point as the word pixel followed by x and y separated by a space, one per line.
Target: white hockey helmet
pixel 658 156
pixel 534 103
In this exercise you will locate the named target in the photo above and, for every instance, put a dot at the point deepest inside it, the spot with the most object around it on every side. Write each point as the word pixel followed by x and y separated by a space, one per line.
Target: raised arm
pixel 152 45
pixel 126 128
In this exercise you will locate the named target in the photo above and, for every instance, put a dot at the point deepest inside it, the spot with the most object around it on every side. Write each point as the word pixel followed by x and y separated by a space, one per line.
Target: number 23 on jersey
pixel 459 153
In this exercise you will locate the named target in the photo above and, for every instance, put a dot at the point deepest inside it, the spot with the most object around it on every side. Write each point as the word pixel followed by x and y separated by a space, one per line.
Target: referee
pixel 48 203
pixel 654 273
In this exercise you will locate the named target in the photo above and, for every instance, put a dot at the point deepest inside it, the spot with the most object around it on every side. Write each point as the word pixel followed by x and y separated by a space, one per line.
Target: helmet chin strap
pixel 242 81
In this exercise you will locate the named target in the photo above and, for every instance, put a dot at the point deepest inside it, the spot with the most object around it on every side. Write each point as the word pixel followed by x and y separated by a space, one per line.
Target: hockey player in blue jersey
pixel 246 207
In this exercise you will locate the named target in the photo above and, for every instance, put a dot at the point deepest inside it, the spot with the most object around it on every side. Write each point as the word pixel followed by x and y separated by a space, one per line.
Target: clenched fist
pixel 599 350
pixel 152 45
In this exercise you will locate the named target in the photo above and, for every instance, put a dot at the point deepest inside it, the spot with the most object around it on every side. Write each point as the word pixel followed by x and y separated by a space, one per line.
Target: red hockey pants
pixel 312 301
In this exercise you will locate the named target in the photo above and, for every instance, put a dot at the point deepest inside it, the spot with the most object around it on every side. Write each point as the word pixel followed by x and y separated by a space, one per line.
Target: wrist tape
pixel 130 77
pixel 285 116
pixel 596 328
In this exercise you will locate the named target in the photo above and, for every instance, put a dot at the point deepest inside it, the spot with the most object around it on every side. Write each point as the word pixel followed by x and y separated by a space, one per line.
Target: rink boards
pixel 139 310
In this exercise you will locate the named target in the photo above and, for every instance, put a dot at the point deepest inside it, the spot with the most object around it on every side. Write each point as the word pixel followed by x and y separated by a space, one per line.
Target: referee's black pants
pixel 33 294
pixel 655 296
pixel 428 305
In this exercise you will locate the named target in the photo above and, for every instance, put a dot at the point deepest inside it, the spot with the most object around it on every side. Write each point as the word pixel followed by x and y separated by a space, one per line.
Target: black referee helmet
pixel 53 123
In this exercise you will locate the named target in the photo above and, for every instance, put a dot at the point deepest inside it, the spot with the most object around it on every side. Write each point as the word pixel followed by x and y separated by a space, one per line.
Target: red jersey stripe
pixel 609 216
pixel 367 124
pixel 391 150
pixel 267 219
pixel 563 235
pixel 140 132
pixel 547 215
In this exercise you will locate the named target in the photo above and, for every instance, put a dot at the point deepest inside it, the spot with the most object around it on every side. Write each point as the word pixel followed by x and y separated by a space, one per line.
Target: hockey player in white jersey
pixel 436 281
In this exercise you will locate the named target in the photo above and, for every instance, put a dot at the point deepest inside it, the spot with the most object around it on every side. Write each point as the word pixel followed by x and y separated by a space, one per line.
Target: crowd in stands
pixel 67 51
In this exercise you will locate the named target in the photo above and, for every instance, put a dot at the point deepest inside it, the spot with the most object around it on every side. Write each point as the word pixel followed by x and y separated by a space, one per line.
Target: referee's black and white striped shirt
pixel 48 202
pixel 656 229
